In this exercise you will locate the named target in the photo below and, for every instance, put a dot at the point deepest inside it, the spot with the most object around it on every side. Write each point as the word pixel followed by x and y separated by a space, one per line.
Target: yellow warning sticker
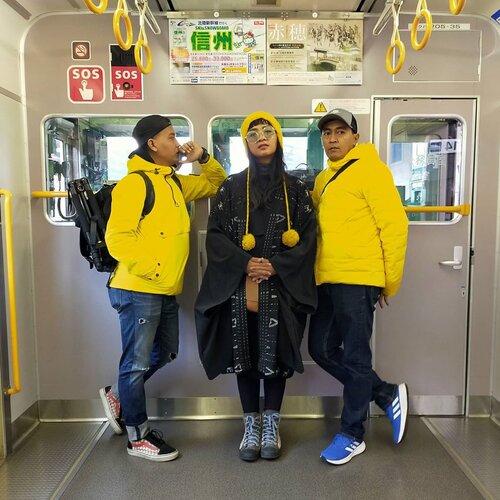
pixel 320 108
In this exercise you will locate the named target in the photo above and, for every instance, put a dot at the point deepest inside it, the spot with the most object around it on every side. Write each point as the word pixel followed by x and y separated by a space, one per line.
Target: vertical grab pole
pixel 9 247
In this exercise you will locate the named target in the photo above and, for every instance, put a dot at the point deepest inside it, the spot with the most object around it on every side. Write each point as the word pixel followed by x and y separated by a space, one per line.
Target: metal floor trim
pixel 48 460
pixel 78 462
pixel 461 461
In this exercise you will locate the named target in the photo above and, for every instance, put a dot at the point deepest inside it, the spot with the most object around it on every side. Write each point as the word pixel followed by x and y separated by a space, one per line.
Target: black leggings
pixel 249 389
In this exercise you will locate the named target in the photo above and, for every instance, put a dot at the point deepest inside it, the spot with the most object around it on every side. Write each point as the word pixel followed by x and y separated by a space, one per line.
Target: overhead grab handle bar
pixel 386 15
pixel 97 9
pixel 459 209
pixel 456 6
pixel 122 12
pixel 422 11
pixel 395 42
pixel 9 250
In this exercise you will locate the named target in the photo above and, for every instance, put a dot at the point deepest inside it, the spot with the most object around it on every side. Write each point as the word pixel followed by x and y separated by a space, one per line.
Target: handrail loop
pixel 456 6
pixel 422 11
pixel 9 250
pixel 459 209
pixel 122 12
pixel 395 42
pixel 97 9
pixel 142 41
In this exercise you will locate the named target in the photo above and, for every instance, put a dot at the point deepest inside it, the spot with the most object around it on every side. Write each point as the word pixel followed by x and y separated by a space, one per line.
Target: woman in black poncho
pixel 261 229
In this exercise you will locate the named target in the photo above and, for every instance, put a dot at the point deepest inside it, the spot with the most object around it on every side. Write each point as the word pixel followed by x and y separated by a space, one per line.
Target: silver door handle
pixel 456 263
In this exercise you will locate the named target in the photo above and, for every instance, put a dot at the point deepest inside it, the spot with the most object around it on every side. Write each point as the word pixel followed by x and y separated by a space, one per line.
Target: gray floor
pixel 429 464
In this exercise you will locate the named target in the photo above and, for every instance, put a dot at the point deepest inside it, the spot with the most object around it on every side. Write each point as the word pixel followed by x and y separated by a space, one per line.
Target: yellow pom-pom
pixel 290 238
pixel 248 242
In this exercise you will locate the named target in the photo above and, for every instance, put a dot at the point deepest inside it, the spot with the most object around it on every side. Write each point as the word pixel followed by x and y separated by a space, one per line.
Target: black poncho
pixel 284 300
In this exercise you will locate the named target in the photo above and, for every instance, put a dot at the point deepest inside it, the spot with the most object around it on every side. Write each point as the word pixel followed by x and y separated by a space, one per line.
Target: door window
pixel 425 156
pixel 94 147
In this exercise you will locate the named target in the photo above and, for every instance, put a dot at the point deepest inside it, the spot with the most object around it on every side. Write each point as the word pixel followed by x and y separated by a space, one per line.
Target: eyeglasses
pixel 254 135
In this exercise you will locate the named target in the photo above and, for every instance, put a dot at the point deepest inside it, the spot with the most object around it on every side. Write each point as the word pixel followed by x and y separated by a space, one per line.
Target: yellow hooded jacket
pixel 152 252
pixel 363 227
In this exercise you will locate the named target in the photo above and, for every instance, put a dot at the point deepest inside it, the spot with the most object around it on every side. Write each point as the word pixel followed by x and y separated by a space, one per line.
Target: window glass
pixel 93 147
pixel 303 150
pixel 425 159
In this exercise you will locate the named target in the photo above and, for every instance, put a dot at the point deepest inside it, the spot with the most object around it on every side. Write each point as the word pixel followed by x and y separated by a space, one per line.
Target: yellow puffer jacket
pixel 363 227
pixel 152 252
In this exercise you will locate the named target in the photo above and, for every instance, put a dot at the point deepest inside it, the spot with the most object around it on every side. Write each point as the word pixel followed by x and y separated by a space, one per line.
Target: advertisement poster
pixel 326 52
pixel 217 51
pixel 126 77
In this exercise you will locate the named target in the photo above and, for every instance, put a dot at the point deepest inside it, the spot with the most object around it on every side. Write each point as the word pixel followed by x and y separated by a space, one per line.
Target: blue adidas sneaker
pixel 342 450
pixel 397 412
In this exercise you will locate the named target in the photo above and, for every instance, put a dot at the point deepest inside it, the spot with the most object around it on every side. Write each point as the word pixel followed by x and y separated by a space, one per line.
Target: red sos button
pixel 86 84
pixel 126 83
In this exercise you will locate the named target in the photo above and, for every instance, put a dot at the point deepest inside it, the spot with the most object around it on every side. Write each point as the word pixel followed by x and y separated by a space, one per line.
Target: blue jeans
pixel 339 342
pixel 150 339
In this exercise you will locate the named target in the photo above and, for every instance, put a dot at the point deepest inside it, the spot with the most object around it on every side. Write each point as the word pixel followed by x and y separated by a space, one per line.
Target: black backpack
pixel 92 215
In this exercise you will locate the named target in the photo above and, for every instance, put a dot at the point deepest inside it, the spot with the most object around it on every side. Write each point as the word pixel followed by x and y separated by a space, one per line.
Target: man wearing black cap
pixel 151 251
pixel 361 250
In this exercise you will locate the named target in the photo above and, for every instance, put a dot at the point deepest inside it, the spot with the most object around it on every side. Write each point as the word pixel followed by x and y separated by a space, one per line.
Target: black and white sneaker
pixel 152 447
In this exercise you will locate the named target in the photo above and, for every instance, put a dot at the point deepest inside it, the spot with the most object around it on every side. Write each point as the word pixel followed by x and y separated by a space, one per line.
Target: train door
pixel 421 337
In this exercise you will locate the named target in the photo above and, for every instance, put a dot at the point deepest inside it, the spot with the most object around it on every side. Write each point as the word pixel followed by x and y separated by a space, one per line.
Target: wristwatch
pixel 205 156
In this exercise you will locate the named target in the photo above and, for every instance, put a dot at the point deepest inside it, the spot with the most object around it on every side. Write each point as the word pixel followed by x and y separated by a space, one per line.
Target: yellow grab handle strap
pixel 127 43
pixel 388 57
pixel 414 29
pixel 137 54
pixel 97 9
pixel 456 6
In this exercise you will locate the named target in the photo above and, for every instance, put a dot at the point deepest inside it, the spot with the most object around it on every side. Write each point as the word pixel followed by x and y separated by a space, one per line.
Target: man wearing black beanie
pixel 151 251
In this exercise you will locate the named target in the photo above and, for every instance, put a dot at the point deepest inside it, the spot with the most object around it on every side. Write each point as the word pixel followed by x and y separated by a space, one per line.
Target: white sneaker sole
pixel 360 449
pixel 403 403
pixel 111 419
pixel 154 458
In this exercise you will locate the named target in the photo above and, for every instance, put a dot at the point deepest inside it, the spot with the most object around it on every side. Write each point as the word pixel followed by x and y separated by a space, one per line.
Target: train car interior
pixel 420 76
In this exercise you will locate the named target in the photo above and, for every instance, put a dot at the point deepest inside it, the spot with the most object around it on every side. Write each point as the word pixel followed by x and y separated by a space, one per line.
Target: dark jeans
pixel 339 342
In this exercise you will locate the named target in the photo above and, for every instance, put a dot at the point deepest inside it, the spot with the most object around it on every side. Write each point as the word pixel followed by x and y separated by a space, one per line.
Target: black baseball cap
pixel 146 128
pixel 339 114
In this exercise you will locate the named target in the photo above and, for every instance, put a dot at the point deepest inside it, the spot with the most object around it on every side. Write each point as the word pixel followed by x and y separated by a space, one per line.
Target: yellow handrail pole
pixel 122 11
pixel 460 209
pixel 142 42
pixel 9 247
pixel 422 11
pixel 456 6
pixel 97 9
pixel 395 42
pixel 49 194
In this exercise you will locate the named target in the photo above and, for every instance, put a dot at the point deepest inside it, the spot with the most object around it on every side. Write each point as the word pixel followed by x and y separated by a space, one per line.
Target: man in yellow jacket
pixel 362 238
pixel 151 251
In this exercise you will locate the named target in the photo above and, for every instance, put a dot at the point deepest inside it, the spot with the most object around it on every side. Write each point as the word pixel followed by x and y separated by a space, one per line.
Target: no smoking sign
pixel 80 51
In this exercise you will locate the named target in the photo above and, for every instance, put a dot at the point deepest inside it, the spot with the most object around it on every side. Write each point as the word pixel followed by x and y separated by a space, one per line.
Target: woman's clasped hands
pixel 260 269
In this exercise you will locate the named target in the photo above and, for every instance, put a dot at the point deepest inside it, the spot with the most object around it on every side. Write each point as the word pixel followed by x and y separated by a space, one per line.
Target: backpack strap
pixel 338 172
pixel 149 200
